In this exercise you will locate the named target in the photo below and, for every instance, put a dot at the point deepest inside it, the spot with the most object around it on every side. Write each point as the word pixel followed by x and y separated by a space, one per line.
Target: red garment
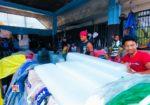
pixel 30 55
pixel 138 61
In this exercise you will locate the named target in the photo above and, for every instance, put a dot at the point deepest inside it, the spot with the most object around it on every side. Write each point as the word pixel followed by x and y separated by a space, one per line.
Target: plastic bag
pixel 36 90
pixel 10 64
pixel 129 90
pixel 132 96
pixel 16 94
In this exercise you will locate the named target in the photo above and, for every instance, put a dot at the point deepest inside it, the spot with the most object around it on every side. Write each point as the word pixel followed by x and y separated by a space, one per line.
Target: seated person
pixel 137 61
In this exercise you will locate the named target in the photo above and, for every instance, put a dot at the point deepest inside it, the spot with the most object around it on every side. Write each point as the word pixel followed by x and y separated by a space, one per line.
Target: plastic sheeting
pixel 18 96
pixel 132 96
pixel 125 91
pixel 10 64
pixel 98 63
pixel 37 92
pixel 82 80
pixel 94 77
pixel 65 89
pixel 75 81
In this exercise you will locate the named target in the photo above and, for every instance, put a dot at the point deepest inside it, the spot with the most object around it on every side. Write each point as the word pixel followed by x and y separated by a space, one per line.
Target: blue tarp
pixel 17 98
pixel 131 23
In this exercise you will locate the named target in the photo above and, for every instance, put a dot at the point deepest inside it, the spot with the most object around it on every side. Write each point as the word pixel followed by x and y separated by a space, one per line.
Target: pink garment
pixel 98 53
pixel 30 55
pixel 84 33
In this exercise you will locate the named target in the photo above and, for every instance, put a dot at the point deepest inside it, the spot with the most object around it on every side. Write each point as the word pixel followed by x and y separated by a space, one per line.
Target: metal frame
pixel 25 8
pixel 114 11
pixel 72 5
pixel 144 35
pixel 25 31
pixel 54 31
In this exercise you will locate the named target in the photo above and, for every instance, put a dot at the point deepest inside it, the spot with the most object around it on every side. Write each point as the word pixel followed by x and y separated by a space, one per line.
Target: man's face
pixel 130 47
pixel 83 38
pixel 116 38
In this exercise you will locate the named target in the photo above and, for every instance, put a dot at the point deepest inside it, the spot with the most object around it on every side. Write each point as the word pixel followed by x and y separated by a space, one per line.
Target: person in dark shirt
pixel 86 46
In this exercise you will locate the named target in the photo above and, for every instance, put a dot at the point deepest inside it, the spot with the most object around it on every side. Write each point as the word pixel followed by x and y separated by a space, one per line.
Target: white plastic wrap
pixel 97 62
pixel 65 89
pixel 33 87
pixel 109 91
pixel 114 69
pixel 79 80
pixel 94 77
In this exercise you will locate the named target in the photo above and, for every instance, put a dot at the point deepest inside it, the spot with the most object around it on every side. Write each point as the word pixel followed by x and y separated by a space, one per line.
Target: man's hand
pixel 130 70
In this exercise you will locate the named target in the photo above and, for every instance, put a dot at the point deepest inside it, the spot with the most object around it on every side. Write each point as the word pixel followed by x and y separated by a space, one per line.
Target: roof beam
pixel 72 5
pixel 25 31
pixel 25 8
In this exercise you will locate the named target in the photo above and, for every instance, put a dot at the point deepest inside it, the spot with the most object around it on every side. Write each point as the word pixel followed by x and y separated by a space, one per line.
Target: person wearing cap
pixel 86 46
pixel 136 61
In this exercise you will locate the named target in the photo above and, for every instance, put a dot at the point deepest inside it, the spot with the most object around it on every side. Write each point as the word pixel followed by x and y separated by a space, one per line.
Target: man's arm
pixel 90 48
pixel 147 65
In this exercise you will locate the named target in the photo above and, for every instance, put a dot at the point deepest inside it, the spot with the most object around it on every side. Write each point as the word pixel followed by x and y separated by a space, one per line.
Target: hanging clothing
pixel 131 23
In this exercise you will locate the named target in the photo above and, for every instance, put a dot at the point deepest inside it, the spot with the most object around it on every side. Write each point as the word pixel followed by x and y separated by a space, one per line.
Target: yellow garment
pixel 10 64
pixel 1 100
pixel 65 50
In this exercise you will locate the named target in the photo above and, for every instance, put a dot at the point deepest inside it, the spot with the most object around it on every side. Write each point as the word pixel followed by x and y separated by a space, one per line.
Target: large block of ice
pixel 96 62
pixel 93 77
pixel 74 81
pixel 65 89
